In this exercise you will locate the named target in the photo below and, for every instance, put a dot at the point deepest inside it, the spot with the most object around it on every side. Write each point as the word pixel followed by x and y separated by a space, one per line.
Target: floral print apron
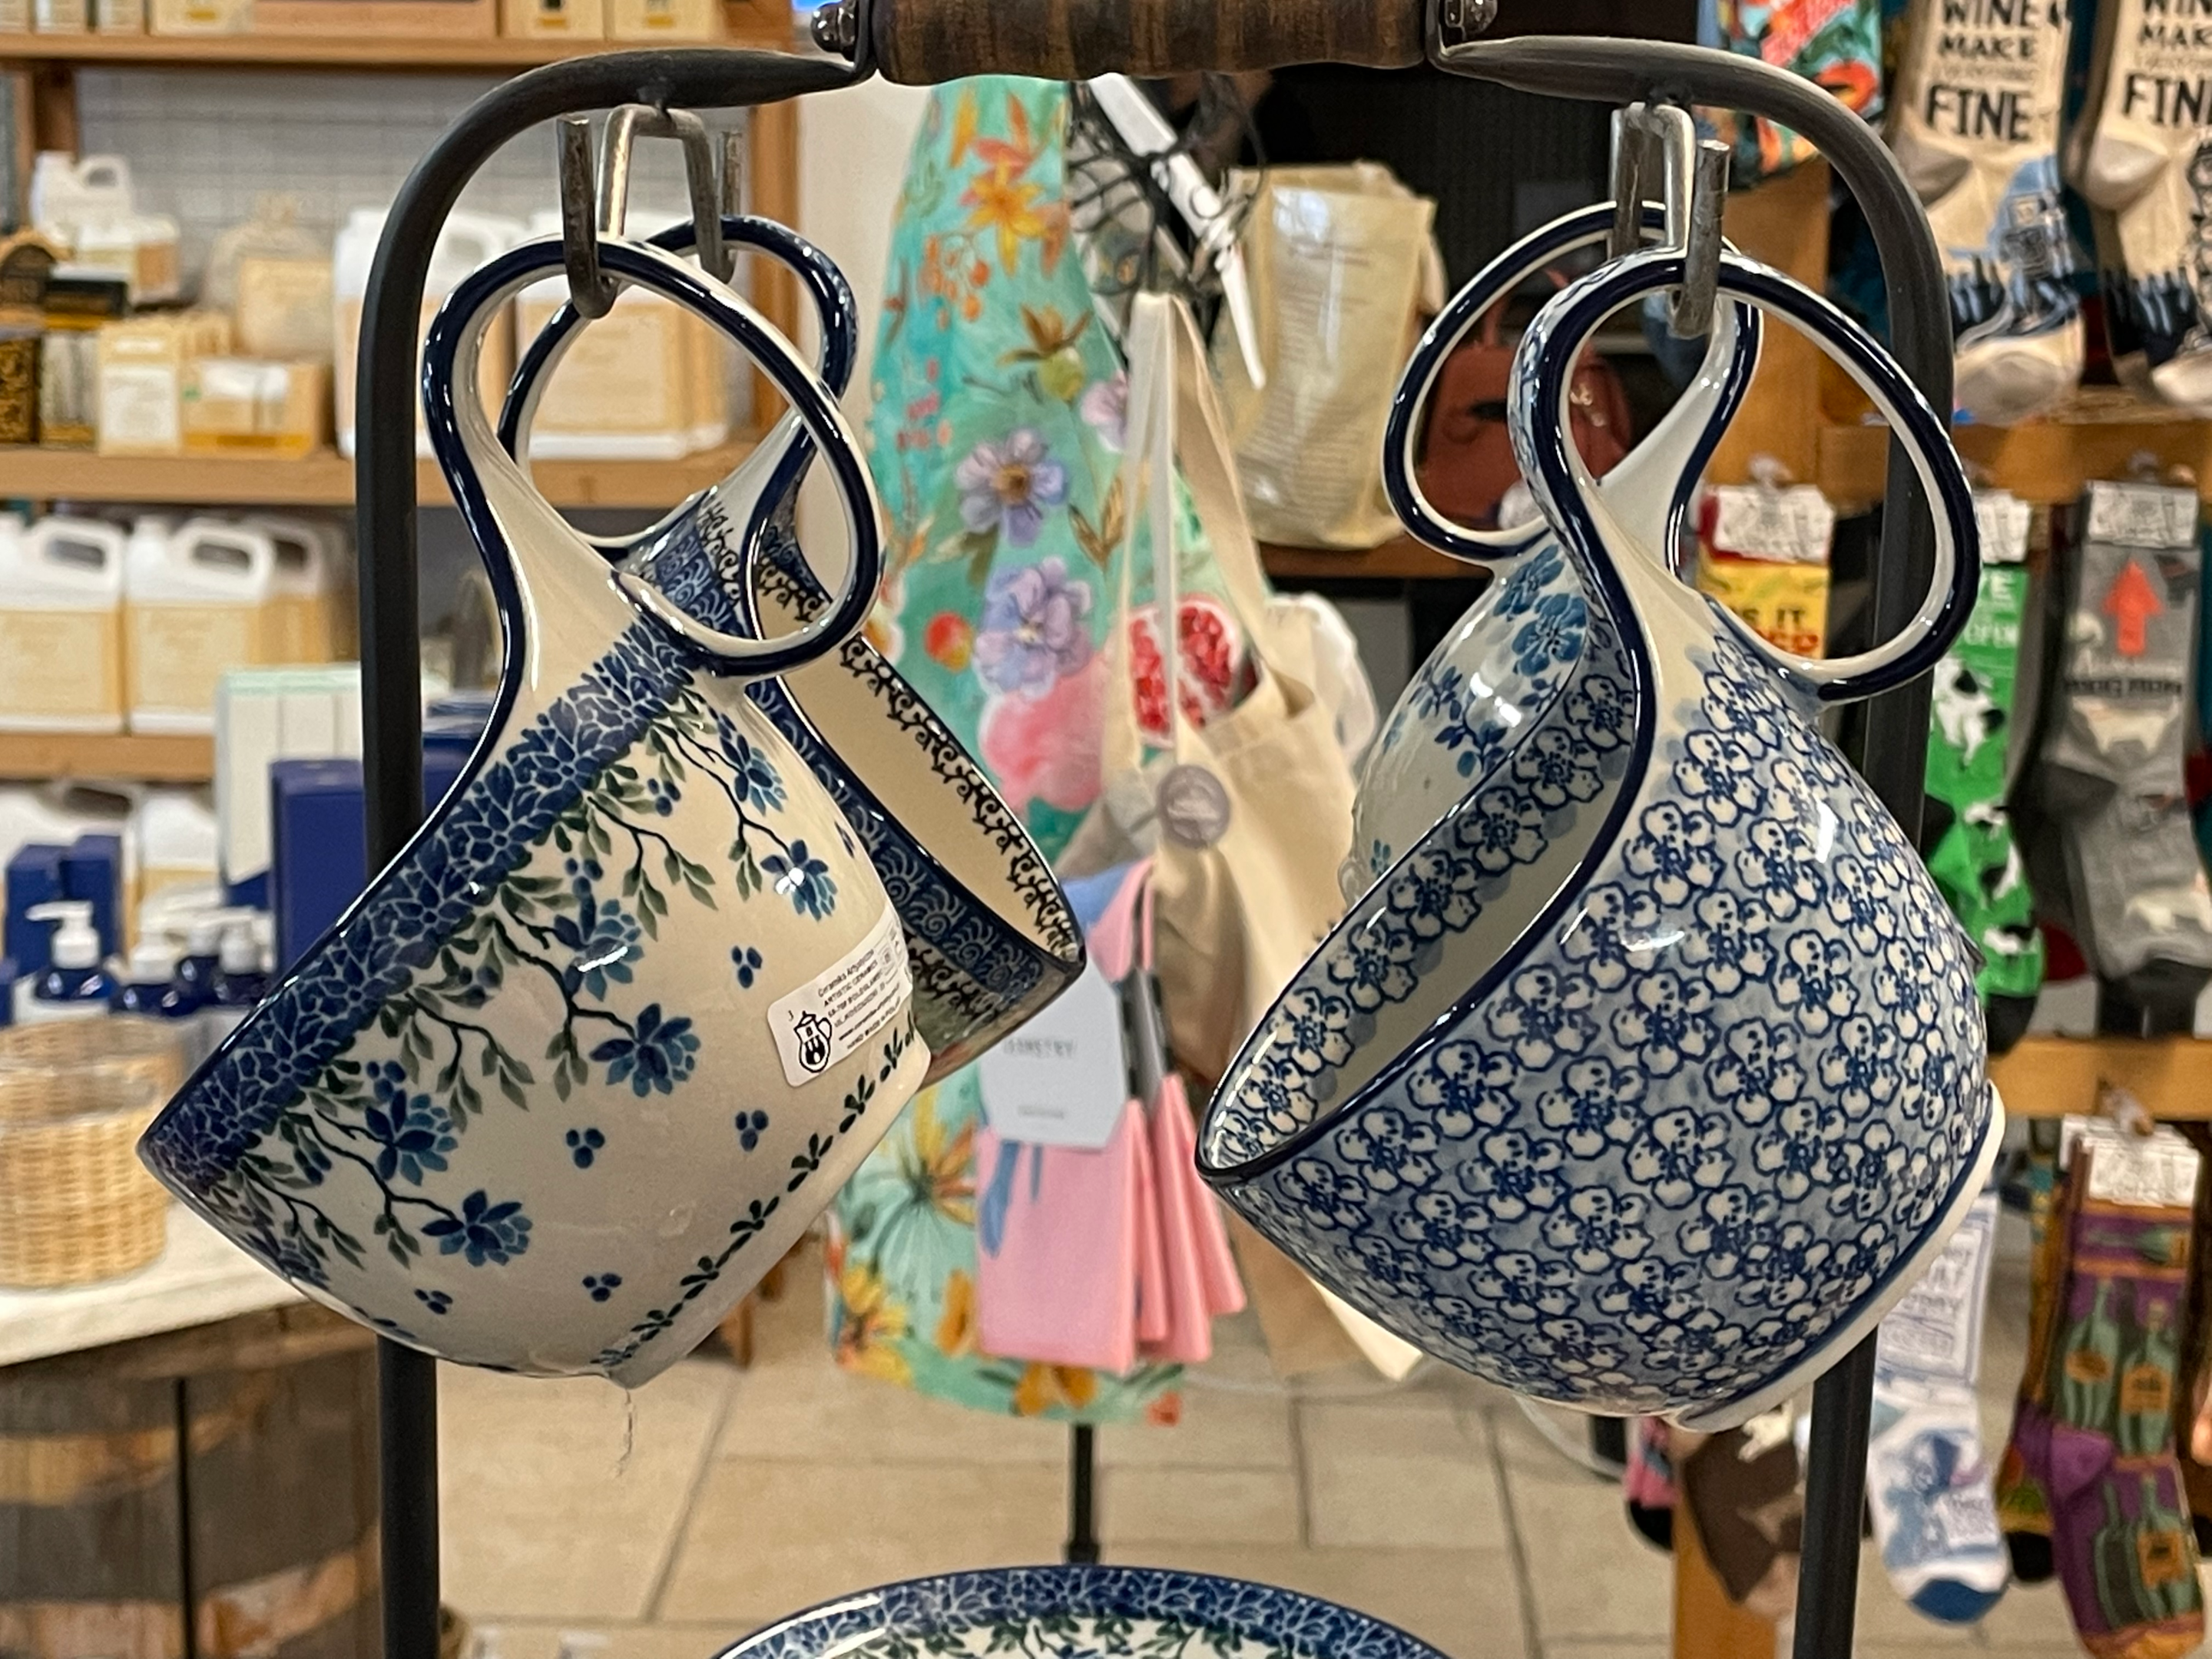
pixel 996 438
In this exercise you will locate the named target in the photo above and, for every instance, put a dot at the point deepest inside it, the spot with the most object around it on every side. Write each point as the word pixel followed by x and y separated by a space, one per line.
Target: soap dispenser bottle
pixel 73 986
pixel 240 982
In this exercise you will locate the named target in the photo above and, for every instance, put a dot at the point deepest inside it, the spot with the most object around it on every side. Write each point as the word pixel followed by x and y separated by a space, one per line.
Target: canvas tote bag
pixel 1245 889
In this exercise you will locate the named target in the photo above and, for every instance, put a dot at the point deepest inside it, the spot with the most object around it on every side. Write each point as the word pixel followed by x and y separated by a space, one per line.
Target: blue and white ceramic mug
pixel 1652 1075
pixel 1492 675
pixel 595 1049
pixel 988 931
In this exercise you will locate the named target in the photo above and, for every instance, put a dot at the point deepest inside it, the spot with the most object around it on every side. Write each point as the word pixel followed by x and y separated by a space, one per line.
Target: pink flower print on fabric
pixel 1105 410
pixel 1046 748
pixel 1036 627
pixel 1007 486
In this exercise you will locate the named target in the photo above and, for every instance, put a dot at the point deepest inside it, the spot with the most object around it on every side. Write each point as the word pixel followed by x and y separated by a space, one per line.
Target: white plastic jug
pixel 299 619
pixel 467 240
pixel 176 832
pixel 197 604
pixel 91 205
pixel 61 635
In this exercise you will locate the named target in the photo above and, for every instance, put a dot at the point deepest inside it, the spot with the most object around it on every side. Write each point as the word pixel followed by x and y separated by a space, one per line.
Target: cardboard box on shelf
pixel 664 20
pixel 142 362
pixel 444 19
pixel 201 16
pixel 252 407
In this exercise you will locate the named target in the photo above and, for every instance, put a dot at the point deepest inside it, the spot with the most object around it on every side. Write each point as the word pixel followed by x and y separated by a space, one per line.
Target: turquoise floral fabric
pixel 1000 401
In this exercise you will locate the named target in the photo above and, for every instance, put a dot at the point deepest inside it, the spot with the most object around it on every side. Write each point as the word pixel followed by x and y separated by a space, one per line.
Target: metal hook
pixel 1657 148
pixel 589 213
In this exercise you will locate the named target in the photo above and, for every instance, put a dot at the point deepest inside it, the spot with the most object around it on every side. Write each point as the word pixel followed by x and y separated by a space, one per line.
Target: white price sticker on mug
pixel 821 1022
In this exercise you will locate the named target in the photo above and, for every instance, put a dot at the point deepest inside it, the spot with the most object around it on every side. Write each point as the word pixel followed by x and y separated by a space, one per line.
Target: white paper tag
pixel 1785 526
pixel 2141 515
pixel 1935 1331
pixel 1063 1079
pixel 820 1023
pixel 2002 520
pixel 2156 1171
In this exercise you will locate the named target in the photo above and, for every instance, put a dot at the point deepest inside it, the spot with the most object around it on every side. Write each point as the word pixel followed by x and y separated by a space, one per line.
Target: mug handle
pixel 462 438
pixel 1537 414
pixel 785 449
pixel 1663 470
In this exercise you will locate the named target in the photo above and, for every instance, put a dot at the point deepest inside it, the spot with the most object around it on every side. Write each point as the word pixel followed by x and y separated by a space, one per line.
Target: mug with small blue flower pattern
pixel 1649 1076
pixel 989 935
pixel 593 1050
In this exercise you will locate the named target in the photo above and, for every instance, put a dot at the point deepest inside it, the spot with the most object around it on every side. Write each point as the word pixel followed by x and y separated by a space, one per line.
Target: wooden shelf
pixel 33 756
pixel 2050 1077
pixel 1404 559
pixel 2045 462
pixel 356 51
pixel 325 479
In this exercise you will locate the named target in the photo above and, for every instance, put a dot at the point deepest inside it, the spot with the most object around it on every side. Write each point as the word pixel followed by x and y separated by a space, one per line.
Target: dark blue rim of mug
pixel 1573 314
pixel 1567 322
pixel 653 271
pixel 1493 282
pixel 836 310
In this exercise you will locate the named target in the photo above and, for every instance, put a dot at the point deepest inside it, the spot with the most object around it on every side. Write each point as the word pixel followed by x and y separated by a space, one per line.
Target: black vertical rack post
pixel 1613 71
pixel 392 712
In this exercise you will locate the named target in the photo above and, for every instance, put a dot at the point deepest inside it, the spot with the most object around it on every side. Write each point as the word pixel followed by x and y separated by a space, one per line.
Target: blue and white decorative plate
pixel 1080 1612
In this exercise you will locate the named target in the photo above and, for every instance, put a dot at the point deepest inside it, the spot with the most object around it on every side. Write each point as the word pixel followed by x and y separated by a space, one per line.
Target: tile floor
pixel 664 1524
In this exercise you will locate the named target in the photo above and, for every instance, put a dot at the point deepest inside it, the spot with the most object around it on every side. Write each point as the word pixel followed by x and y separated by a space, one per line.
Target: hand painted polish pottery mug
pixel 1495 673
pixel 1649 1076
pixel 595 1049
pixel 989 935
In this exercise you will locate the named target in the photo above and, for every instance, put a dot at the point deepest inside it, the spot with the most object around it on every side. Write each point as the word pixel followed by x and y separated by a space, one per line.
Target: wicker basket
pixel 75 1205
pixel 48 1071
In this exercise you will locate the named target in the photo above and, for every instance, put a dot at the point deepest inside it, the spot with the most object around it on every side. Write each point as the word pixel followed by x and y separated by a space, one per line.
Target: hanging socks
pixel 2150 93
pixel 1647 1483
pixel 2023 1502
pixel 1975 127
pixel 2120 1530
pixel 1934 1517
pixel 2112 758
pixel 1834 43
pixel 1973 856
pixel 1742 1489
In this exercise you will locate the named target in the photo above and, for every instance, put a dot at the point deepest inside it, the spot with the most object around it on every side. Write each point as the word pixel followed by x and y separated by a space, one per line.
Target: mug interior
pixel 944 801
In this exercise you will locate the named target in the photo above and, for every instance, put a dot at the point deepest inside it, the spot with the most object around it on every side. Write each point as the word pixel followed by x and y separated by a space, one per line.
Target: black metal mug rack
pixel 1619 72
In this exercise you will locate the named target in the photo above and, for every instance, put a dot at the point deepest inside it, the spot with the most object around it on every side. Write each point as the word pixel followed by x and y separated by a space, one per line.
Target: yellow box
pixel 1786 604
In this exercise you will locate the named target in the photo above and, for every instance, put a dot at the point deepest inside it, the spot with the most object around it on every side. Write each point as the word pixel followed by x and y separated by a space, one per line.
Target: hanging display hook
pixel 1656 150
pixel 589 211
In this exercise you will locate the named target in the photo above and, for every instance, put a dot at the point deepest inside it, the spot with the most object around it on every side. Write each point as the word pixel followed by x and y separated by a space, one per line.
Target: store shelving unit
pixel 325 478
pixel 33 756
pixel 748 25
pixel 2052 1076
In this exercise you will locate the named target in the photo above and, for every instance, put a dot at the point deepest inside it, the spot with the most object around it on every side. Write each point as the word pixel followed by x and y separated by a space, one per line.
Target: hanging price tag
pixel 1782 526
pixel 2142 514
pixel 1062 1079
pixel 2002 520
pixel 2156 1171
